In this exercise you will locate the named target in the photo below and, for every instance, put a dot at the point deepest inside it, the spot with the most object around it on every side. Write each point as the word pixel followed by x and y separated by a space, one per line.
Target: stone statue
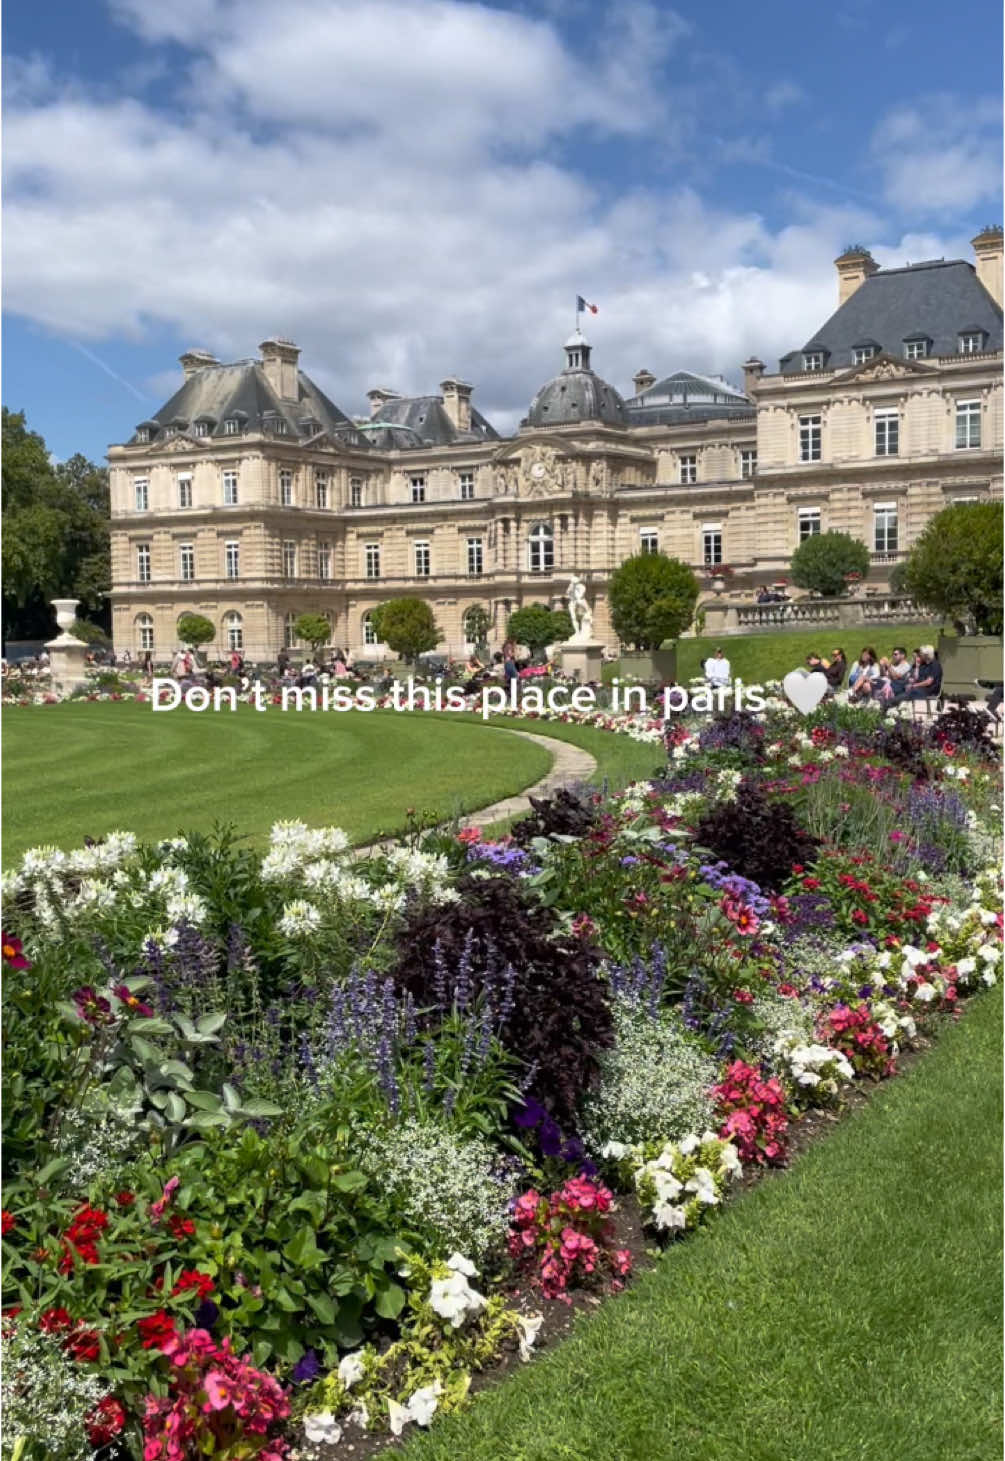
pixel 579 612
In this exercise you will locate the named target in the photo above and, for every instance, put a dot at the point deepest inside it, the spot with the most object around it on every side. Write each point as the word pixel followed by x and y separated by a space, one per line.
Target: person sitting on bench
pixel 928 684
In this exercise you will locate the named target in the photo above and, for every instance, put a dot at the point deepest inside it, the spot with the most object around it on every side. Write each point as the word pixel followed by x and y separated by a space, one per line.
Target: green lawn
pixel 846 1310
pixel 759 657
pixel 71 771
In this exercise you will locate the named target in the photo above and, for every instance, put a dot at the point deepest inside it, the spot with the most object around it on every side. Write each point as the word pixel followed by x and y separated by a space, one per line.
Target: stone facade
pixel 252 528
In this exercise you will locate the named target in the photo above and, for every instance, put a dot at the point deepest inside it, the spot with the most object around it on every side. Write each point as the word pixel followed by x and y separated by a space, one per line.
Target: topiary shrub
pixel 559 1018
pixel 759 838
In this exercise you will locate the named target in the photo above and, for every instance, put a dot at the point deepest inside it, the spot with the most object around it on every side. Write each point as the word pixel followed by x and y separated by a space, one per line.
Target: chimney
pixel 642 380
pixel 457 402
pixel 279 361
pixel 854 267
pixel 753 369
pixel 378 397
pixel 196 360
pixel 988 248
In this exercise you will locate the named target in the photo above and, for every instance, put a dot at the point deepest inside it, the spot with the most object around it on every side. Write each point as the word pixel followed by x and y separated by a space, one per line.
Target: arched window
pixel 369 633
pixel 144 632
pixel 289 632
pixel 233 629
pixel 541 548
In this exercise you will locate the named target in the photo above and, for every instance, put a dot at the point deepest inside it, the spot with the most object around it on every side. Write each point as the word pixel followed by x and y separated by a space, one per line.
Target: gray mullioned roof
pixel 427 418
pixel 937 300
pixel 687 396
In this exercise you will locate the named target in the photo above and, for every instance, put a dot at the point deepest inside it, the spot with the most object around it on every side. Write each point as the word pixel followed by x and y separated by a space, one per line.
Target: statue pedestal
pixel 583 661
pixel 66 663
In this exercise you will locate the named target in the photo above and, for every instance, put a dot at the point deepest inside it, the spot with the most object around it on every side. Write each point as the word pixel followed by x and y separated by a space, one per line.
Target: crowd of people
pixel 879 679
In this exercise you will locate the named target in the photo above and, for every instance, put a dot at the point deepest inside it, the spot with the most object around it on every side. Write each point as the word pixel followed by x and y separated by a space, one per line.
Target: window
pixel 144 632
pixel 355 491
pixel 230 489
pixel 689 469
pixel 971 342
pixel 809 522
pixel 369 633
pixel 289 631
pixel 861 353
pixel 289 559
pixel 231 427
pixel 748 462
pixel 280 425
pixel 324 561
pixel 809 438
pixel 232 558
pixel 541 548
pixel 186 562
pixel 467 480
pixel 475 557
pixel 200 428
pixel 321 488
pixel 185 491
pixel 285 487
pixel 233 628
pixel 418 487
pixel 143 562
pixel 141 489
pixel 915 349
pixel 421 560
pixel 371 553
pixel 649 540
pixel 472 624
pixel 143 435
pixel 887 433
pixel 968 424
pixel 711 545
pixel 885 527
pixel 813 360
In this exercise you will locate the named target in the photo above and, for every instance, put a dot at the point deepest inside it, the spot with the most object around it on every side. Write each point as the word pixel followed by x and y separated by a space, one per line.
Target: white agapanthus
pixel 299 919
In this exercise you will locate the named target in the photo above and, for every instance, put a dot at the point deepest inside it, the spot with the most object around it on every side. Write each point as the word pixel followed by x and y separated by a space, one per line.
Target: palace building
pixel 251 498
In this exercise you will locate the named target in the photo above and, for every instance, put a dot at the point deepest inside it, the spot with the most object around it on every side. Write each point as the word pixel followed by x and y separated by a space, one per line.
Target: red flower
pixel 125 1199
pixel 9 1222
pixel 181 1227
pixel 191 1278
pixel 156 1330
pixel 125 996
pixel 55 1321
pixel 105 1421
pixel 83 1346
pixel 13 957
pixel 743 996
pixel 91 1006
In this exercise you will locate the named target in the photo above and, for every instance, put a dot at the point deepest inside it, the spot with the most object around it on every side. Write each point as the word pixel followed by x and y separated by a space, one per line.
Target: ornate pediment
pixel 174 444
pixel 884 367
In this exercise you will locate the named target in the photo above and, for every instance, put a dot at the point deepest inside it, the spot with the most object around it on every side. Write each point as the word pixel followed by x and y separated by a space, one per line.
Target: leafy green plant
pixel 406 626
pixel 537 626
pixel 652 598
pixel 196 629
pixel 823 561
pixel 955 567
pixel 313 629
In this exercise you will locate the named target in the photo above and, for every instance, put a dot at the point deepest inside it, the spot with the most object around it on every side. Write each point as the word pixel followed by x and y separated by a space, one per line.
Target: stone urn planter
pixel 66 615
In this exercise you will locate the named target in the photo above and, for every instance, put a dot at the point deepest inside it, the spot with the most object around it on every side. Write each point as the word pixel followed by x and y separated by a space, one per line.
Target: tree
pixel 89 633
pixel 823 560
pixel 406 626
pixel 537 626
pixel 955 567
pixel 195 630
pixel 313 629
pixel 476 624
pixel 56 534
pixel 652 598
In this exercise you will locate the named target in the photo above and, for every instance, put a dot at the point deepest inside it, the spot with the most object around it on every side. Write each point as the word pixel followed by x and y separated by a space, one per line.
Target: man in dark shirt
pixel 928 685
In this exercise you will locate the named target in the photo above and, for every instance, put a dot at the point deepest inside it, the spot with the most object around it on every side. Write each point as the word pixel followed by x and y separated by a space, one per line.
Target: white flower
pixel 421 1408
pixel 454 1299
pixel 965 966
pixel 299 918
pixel 841 751
pixel 322 1427
pixel 397 1417
pixel 186 908
pixel 925 992
pixel 702 1184
pixel 615 1150
pixel 529 1325
pixel 688 1145
pixel 457 1263
pixel 988 918
pixel 730 1159
pixel 350 1368
pixel 990 953
pixel 669 1215
pixel 988 978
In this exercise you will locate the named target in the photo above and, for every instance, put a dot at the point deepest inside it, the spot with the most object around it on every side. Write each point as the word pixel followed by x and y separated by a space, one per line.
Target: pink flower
pixel 157 1208
pixel 218 1392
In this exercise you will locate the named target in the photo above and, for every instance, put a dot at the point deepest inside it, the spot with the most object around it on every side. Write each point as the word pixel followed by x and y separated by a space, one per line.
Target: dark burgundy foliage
pixel 560 1018
pixel 969 729
pixel 902 744
pixel 757 837
pixel 564 814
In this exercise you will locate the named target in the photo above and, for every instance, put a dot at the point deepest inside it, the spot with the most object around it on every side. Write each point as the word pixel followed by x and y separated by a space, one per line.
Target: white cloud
pixel 387 185
pixel 944 158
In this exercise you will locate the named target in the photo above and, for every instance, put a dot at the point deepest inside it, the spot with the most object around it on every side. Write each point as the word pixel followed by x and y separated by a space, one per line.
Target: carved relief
pixel 541 473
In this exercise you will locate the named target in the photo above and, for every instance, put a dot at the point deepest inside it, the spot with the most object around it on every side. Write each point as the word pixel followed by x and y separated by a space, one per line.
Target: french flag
pixel 582 304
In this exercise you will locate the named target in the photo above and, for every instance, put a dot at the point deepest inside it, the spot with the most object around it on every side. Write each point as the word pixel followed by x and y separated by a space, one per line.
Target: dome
pixel 578 394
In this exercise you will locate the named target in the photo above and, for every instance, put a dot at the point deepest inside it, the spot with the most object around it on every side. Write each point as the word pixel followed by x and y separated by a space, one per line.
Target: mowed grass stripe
pixel 848 1309
pixel 72 771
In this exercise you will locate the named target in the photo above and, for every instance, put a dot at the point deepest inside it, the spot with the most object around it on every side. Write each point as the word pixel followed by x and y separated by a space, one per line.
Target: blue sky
pixel 413 188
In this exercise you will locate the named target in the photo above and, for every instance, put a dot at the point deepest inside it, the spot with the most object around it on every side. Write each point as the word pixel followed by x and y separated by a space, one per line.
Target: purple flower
pixel 530 1114
pixel 306 1369
pixel 550 1138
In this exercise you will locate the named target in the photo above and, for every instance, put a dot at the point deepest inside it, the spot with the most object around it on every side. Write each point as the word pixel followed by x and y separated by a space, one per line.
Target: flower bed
pixel 297 1143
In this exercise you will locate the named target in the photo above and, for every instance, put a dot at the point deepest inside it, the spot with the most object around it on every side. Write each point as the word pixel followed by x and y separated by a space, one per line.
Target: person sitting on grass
pixel 717 671
pixel 835 671
pixel 928 682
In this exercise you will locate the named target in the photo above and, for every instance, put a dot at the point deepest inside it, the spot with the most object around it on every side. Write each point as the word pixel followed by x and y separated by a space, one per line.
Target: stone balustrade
pixel 725 616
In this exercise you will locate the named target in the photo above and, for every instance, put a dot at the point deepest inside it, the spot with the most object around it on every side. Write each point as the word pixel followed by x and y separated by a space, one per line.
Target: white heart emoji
pixel 805 691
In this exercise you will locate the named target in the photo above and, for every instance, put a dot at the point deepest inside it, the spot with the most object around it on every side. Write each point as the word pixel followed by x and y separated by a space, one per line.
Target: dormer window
pixel 813 360
pixel 143 435
pixel 232 427
pixel 201 428
pixel 916 347
pixel 311 427
pixel 972 342
pixel 861 353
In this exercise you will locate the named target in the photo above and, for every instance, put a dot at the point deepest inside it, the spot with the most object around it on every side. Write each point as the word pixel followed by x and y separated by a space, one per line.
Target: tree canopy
pixel 537 626
pixel 313 629
pixel 955 567
pixel 822 561
pixel 406 626
pixel 196 629
pixel 55 531
pixel 652 598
